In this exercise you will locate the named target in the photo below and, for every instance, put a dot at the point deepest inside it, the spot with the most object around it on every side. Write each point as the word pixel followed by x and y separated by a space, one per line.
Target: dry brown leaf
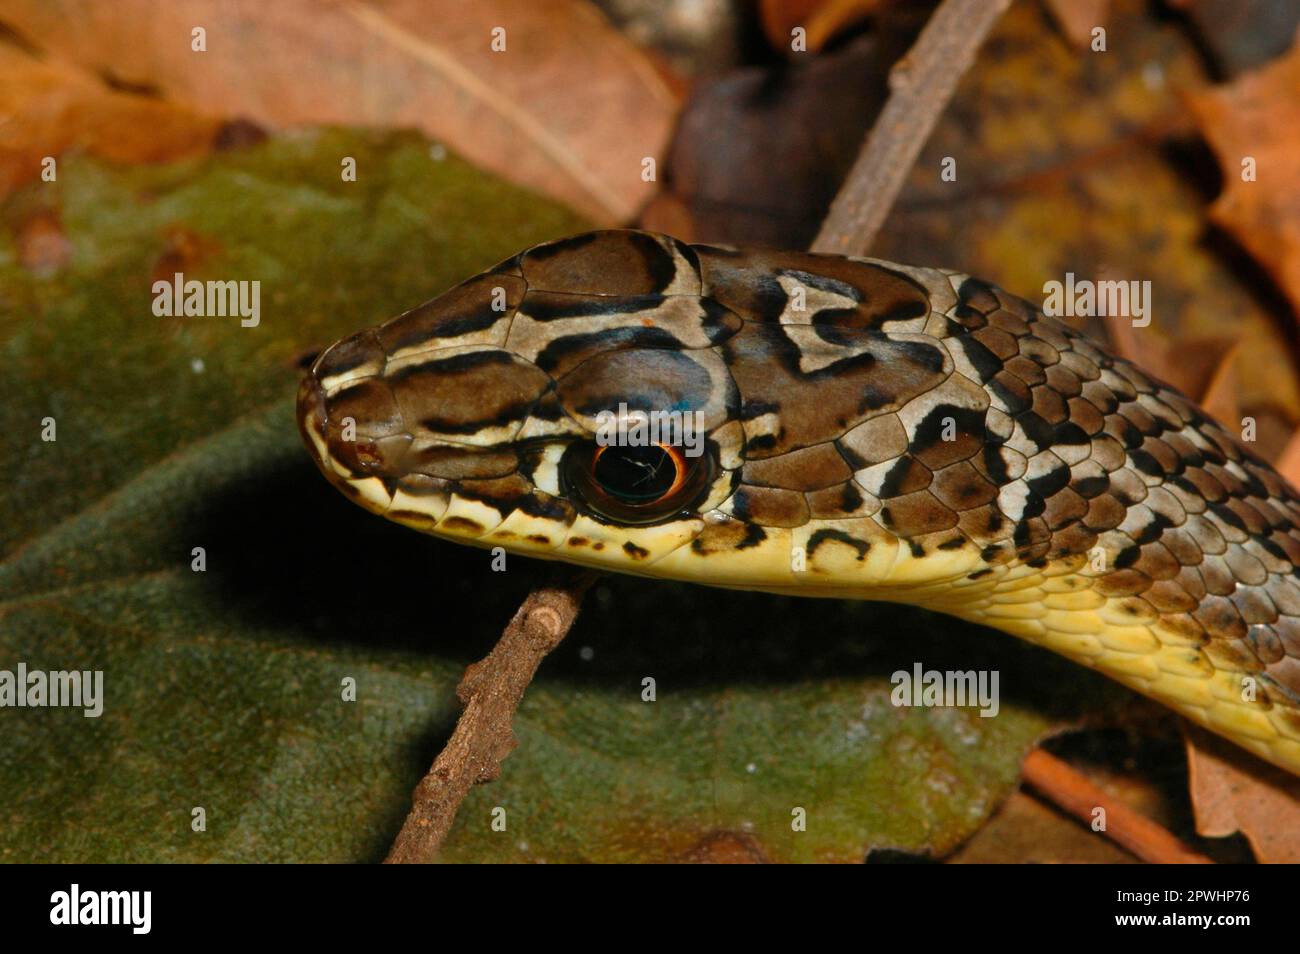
pixel 1219 396
pixel 1241 34
pixel 1194 364
pixel 741 164
pixel 48 107
pixel 1233 791
pixel 570 108
pixel 1077 18
pixel 668 213
pixel 1257 117
pixel 821 19
pixel 1288 462
pixel 1028 830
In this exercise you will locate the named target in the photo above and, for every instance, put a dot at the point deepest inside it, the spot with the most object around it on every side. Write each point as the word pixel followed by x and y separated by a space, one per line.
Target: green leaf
pixel 223 688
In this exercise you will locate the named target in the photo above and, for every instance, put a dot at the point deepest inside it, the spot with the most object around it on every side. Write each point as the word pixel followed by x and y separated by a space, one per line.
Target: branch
pixel 1075 794
pixel 490 691
pixel 921 83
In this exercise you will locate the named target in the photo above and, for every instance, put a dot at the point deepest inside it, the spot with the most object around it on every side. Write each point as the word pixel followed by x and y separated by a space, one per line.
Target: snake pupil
pixel 635 474
pixel 631 484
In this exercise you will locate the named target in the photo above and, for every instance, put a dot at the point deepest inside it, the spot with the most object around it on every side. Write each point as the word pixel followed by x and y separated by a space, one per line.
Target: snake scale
pixel 873 431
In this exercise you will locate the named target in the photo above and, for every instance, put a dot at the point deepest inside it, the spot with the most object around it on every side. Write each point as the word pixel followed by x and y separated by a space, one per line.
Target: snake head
pixel 577 412
pixel 624 400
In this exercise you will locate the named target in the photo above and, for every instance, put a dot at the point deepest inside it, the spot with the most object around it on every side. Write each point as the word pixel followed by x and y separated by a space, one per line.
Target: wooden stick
pixel 1075 794
pixel 921 84
pixel 490 691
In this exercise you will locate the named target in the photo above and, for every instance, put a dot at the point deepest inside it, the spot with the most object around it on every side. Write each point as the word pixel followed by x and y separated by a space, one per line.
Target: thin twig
pixel 1078 796
pixel 490 691
pixel 920 86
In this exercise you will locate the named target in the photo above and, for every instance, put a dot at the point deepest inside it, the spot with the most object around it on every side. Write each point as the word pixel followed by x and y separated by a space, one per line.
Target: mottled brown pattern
pixel 851 407
pixel 818 391
pixel 748 284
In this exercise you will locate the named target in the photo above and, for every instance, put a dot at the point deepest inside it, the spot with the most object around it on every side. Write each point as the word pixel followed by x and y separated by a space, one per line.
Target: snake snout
pixel 348 415
pixel 430 416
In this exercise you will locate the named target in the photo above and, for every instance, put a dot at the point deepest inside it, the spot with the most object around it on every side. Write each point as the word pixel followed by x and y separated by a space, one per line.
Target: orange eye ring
pixel 635 484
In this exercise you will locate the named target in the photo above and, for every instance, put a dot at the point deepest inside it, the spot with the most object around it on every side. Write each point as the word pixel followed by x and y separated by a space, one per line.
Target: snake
pixel 828 426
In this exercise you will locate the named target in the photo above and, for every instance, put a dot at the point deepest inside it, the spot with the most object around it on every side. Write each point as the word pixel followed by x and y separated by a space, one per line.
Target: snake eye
pixel 635 484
